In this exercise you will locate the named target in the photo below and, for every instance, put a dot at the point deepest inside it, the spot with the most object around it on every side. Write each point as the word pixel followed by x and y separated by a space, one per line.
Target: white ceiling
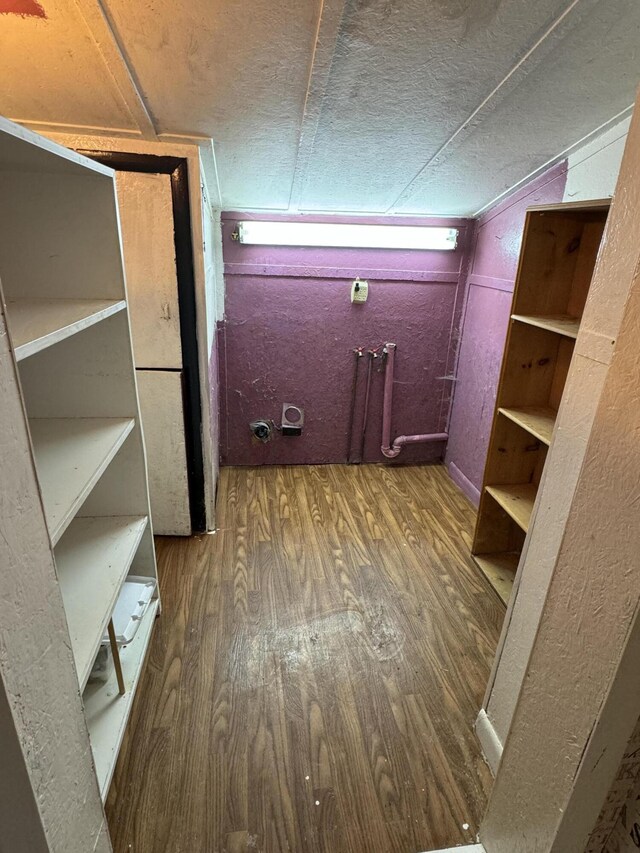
pixel 382 106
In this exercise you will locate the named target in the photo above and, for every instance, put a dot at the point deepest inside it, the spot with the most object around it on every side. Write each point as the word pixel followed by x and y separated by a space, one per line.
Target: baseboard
pixel 467 848
pixel 489 741
pixel 463 483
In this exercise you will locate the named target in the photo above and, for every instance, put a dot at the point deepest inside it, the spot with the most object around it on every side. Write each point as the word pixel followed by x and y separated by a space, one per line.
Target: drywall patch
pixel 24 8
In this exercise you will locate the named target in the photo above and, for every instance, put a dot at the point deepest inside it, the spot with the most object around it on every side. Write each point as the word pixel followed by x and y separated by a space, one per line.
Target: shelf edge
pixel 37 345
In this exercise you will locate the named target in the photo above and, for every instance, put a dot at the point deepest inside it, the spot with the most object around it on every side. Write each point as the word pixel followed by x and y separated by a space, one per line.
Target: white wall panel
pixel 146 217
pixel 163 423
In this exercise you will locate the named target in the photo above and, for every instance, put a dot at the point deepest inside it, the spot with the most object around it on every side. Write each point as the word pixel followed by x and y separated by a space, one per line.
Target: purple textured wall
pixel 489 291
pixel 290 329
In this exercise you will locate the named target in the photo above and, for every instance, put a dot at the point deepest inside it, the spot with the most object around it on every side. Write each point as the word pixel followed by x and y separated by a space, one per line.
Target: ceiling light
pixel 336 235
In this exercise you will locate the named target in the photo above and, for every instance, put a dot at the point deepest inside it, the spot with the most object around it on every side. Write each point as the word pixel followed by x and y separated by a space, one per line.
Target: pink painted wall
pixel 289 330
pixel 489 290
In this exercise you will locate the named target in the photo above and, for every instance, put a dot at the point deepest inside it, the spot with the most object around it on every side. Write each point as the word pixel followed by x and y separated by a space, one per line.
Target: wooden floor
pixel 315 675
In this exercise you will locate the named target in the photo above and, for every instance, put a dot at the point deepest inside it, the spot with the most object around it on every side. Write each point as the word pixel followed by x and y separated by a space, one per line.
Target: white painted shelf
pixel 71 454
pixel 93 559
pixel 36 324
pixel 83 524
pixel 107 712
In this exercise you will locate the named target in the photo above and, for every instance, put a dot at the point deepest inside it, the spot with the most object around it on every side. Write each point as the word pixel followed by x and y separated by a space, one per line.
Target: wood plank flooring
pixel 314 677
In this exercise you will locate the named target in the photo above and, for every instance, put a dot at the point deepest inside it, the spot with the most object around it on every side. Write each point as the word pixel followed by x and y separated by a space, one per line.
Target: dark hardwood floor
pixel 314 677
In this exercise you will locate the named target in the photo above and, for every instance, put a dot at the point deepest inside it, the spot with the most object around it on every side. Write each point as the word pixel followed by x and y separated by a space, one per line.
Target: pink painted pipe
pixel 393 450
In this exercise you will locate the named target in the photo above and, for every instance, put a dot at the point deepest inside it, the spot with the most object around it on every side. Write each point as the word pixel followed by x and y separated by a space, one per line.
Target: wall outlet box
pixel 359 291
pixel 292 419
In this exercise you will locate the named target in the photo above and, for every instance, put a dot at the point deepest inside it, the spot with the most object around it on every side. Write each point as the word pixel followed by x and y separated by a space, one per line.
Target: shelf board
pixel 36 324
pixel 107 712
pixel 71 454
pixel 516 500
pixel 539 421
pixel 93 559
pixel 562 324
pixel 500 570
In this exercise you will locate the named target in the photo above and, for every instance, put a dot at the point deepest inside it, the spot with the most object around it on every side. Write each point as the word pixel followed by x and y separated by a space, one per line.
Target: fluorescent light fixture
pixel 336 235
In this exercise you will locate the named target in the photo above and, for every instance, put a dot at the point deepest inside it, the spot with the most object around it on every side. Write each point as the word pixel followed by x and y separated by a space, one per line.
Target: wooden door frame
pixel 177 169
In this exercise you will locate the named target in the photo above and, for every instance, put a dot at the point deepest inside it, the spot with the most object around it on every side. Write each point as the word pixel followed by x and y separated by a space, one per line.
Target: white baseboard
pixel 489 741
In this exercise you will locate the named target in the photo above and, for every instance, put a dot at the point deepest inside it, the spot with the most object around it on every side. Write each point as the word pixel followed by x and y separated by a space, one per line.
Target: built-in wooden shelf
pixel 93 559
pixel 500 570
pixel 71 454
pixel 36 324
pixel 516 500
pixel 107 712
pixel 537 420
pixel 563 324
pixel 560 246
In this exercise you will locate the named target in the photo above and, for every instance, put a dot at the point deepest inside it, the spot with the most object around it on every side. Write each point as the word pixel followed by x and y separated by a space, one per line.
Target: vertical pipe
pixel 365 416
pixel 354 387
pixel 388 449
pixel 388 398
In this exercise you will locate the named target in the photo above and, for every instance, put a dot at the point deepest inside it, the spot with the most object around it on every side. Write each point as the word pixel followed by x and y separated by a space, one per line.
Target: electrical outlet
pixel 359 291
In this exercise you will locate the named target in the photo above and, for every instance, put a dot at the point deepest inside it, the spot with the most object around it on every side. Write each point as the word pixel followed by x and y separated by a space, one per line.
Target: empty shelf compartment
pixel 36 324
pixel 71 455
pixel 500 570
pixel 93 559
pixel 539 421
pixel 563 324
pixel 516 500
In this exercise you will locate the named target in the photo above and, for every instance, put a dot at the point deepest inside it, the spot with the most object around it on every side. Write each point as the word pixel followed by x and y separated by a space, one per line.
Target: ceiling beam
pixel 326 41
pixel 103 31
pixel 576 11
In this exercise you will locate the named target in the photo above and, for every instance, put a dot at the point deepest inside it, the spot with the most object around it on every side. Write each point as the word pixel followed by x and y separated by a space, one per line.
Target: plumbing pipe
pixel 365 416
pixel 354 387
pixel 391 450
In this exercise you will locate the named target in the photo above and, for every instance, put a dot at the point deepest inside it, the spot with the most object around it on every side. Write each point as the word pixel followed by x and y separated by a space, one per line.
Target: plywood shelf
pixel 562 324
pixel 500 570
pixel 36 324
pixel 516 500
pixel 539 421
pixel 107 712
pixel 560 246
pixel 93 559
pixel 70 455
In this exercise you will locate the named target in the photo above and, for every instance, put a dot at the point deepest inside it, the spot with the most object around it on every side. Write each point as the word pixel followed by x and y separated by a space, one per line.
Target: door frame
pixel 177 169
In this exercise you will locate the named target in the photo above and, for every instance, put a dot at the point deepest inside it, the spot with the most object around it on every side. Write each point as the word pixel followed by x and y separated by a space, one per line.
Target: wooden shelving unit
pixel 558 256
pixel 63 299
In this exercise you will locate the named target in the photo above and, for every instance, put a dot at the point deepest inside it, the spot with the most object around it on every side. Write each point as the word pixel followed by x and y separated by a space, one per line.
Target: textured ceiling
pixel 394 106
